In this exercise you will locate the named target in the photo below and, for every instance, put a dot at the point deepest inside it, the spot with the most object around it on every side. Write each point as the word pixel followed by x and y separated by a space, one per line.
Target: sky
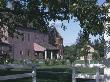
pixel 71 33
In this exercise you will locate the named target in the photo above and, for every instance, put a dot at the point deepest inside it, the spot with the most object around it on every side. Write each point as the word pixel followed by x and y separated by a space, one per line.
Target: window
pixel 23 38
pixel 28 37
pixel 21 52
pixel 28 52
pixel 17 37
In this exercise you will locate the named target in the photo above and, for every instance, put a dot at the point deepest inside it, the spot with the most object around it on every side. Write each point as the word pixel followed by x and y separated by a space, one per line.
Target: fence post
pixel 97 74
pixel 33 73
pixel 73 73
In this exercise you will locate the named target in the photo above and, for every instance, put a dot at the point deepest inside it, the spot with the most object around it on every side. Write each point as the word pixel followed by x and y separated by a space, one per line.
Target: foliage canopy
pixel 38 13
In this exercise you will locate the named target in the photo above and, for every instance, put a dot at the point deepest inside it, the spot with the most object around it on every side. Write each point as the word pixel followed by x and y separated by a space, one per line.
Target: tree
pixel 90 15
pixel 99 46
pixel 32 13
pixel 95 55
pixel 82 43
pixel 82 39
pixel 40 12
pixel 80 48
pixel 71 53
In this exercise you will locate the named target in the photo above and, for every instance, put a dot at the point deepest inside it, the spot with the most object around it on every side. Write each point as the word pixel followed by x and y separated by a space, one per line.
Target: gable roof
pixel 48 46
pixel 43 46
pixel 37 47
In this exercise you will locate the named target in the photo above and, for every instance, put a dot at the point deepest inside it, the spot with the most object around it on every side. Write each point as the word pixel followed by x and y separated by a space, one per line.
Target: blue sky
pixel 101 1
pixel 71 33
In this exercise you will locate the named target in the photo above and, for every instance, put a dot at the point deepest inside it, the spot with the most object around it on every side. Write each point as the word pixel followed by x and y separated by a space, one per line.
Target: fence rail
pixel 88 76
pixel 13 66
pixel 16 76
pixel 90 65
pixel 19 76
pixel 96 76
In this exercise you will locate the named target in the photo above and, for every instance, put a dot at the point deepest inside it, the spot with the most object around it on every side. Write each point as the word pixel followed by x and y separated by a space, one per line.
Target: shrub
pixel 63 62
pixel 47 62
pixel 55 62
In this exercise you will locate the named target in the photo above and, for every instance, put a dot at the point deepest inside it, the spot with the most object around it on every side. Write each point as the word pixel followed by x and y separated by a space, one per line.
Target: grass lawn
pixel 50 72
pixel 52 66
pixel 89 70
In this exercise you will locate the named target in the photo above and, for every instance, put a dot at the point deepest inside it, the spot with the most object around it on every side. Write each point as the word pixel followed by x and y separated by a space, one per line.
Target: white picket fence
pixel 19 76
pixel 97 76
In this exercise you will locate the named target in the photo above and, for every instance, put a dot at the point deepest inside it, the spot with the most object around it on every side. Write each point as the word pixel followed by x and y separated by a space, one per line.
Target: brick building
pixel 56 40
pixel 32 44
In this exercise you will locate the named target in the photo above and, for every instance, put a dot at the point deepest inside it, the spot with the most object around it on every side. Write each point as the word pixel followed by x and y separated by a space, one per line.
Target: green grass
pixel 89 70
pixel 52 66
pixel 46 80
pixel 54 75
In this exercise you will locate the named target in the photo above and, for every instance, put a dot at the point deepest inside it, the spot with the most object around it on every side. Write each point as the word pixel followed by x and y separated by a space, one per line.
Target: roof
pixel 37 47
pixel 91 49
pixel 43 46
pixel 48 46
pixel 29 29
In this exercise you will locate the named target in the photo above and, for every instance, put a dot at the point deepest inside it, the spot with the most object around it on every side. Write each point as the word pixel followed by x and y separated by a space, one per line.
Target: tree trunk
pixel 85 60
pixel 73 73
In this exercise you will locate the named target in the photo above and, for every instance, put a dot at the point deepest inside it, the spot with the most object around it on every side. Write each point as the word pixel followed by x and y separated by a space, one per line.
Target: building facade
pixel 89 55
pixel 32 44
pixel 56 40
